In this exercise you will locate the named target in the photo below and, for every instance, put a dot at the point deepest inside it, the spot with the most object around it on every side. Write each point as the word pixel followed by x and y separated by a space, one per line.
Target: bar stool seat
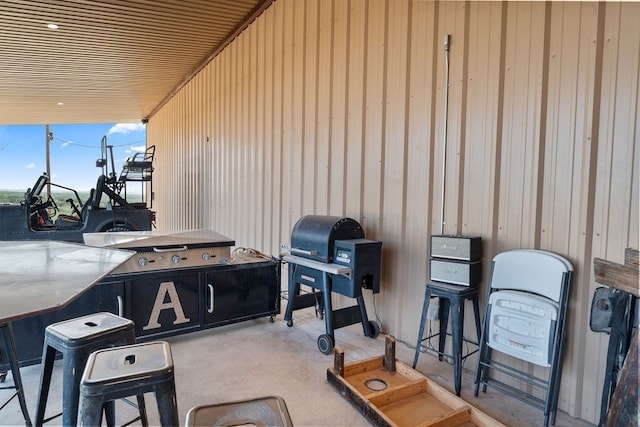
pixel 263 411
pixel 453 299
pixel 76 339
pixel 120 372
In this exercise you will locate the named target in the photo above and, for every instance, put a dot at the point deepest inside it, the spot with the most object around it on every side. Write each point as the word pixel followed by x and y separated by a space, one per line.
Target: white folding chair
pixel 525 318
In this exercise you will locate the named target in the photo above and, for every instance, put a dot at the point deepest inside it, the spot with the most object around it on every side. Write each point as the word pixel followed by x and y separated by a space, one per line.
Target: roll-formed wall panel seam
pixel 336 107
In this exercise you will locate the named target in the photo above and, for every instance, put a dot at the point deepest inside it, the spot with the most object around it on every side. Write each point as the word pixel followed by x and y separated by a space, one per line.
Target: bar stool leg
pixel 423 320
pixel 167 405
pixel 445 308
pixel 476 315
pixel 457 328
pixel 70 389
pixel 10 348
pixel 109 412
pixel 48 358
pixel 142 408
pixel 90 411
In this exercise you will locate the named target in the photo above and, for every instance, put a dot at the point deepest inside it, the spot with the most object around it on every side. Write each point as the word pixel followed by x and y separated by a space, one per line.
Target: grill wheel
pixel 325 343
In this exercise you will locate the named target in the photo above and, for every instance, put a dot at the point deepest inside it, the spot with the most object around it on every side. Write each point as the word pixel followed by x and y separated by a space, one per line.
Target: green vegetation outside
pixel 60 197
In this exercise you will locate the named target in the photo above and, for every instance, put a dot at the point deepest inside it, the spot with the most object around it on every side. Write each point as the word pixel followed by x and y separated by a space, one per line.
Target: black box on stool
pixel 456 259
pixel 456 247
pixel 363 257
pixel 456 272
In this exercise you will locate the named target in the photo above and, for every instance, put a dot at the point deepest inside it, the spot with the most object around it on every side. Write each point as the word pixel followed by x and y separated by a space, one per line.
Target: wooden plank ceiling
pixel 108 61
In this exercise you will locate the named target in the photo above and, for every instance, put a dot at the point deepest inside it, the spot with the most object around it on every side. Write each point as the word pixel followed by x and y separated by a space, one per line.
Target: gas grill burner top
pixel 164 250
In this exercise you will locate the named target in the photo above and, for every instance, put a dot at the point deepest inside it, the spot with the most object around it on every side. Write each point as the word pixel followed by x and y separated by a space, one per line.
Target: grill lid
pixel 148 241
pixel 313 236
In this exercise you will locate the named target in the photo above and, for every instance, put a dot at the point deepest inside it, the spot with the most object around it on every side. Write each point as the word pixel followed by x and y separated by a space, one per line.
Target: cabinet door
pixel 165 303
pixel 241 293
pixel 106 296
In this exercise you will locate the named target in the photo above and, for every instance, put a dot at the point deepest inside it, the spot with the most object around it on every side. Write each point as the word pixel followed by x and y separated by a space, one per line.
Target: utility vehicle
pixel 105 209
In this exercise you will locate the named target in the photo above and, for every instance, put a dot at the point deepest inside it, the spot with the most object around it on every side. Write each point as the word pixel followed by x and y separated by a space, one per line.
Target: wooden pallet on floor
pixel 390 393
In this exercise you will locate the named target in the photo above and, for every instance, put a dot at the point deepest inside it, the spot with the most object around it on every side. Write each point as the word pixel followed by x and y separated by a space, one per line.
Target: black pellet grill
pixel 330 254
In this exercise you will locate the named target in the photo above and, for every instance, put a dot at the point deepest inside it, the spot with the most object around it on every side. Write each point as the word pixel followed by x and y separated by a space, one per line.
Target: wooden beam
pixel 632 258
pixel 390 353
pixel 618 276
pixel 338 360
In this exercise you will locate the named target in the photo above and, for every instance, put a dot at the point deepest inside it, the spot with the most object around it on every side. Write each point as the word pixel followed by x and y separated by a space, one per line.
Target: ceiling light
pixel 52 26
pixel 60 103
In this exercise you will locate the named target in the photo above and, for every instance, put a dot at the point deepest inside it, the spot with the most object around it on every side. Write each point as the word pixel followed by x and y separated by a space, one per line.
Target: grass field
pixel 10 196
pixel 60 197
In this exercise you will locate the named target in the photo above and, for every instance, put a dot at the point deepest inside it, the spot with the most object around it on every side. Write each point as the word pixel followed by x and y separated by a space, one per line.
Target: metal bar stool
pixel 453 301
pixel 76 339
pixel 263 411
pixel 120 372
pixel 10 347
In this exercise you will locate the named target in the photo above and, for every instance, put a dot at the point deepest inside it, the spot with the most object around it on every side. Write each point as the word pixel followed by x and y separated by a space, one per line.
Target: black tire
pixel 272 318
pixel 325 343
pixel 290 322
pixel 117 228
pixel 375 329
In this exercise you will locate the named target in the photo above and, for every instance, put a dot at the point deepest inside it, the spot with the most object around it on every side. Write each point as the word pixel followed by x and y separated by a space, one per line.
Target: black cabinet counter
pixel 166 302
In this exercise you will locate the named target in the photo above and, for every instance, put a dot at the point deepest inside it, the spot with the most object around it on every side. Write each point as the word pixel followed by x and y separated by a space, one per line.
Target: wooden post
pixel 338 360
pixel 619 276
pixel 632 258
pixel 390 353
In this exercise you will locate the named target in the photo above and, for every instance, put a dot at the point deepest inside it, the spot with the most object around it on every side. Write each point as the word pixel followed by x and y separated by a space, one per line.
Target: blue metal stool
pixel 263 411
pixel 453 298
pixel 76 339
pixel 119 372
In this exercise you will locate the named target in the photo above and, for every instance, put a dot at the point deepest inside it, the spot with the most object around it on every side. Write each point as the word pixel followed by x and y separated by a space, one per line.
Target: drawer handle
pixel 120 306
pixel 303 252
pixel 161 250
pixel 210 308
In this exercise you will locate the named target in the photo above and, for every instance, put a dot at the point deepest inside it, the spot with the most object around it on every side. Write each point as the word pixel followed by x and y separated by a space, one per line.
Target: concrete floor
pixel 259 358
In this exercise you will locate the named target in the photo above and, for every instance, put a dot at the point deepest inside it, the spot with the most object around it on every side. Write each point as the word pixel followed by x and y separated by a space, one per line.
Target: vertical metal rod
pixel 447 38
pixel 48 138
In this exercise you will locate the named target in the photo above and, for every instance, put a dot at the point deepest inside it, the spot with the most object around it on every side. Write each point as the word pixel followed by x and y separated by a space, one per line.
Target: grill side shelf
pixel 320 266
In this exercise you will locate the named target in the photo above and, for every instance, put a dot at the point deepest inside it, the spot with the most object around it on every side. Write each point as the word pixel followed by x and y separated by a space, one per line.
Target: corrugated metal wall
pixel 338 107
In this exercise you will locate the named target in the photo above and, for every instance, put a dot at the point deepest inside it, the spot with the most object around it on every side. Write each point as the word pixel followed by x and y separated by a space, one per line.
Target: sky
pixel 74 150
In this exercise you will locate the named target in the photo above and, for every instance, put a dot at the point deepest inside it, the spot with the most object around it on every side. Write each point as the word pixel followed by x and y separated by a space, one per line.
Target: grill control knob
pixel 142 262
pixel 175 259
pixel 206 256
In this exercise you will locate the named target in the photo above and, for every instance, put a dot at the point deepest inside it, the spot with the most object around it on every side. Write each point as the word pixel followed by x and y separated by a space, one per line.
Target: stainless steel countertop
pixel 37 276
pixel 158 239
